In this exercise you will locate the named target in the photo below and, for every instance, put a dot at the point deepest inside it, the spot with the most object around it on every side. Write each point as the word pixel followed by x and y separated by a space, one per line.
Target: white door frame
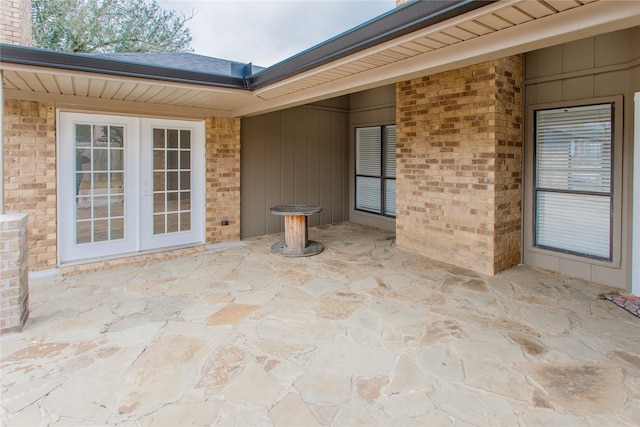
pixel 68 249
pixel 149 240
pixel 138 234
pixel 635 209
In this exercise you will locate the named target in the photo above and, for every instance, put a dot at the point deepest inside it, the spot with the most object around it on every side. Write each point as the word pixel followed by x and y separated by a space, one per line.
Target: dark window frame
pixel 541 189
pixel 382 176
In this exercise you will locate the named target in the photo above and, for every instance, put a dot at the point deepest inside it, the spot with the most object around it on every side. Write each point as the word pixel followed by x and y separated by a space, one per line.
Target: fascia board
pixel 405 19
pixel 585 21
pixel 490 8
pixel 78 62
pixel 8 66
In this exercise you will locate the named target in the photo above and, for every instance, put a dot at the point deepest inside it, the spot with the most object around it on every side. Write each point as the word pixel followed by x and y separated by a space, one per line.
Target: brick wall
pixel 459 143
pixel 14 278
pixel 15 22
pixel 222 179
pixel 30 174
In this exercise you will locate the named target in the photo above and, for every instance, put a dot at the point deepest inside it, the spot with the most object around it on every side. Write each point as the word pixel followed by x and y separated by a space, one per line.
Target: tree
pixel 108 26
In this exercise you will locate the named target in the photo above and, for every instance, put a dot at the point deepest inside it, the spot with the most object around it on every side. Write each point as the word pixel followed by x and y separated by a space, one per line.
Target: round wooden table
pixel 296 231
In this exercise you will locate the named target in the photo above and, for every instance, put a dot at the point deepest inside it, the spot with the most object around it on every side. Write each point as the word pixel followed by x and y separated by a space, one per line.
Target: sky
pixel 266 32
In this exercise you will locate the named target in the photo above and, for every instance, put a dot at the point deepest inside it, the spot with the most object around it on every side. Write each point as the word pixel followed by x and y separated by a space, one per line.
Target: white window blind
pixel 573 180
pixel 390 153
pixel 368 194
pixel 375 167
pixel 368 151
pixel 390 197
pixel 576 223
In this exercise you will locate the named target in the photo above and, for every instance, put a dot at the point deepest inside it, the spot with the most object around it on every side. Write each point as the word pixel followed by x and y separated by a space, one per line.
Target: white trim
pixel 68 250
pixel 635 210
pixel 42 275
pixel 196 235
pixel 1 145
pixel 137 147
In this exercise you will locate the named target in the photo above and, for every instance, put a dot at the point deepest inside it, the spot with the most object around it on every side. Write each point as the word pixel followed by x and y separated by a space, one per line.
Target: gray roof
pixel 198 69
pixel 184 61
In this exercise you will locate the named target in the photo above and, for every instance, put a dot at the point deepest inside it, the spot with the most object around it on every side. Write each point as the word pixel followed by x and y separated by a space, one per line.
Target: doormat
pixel 629 303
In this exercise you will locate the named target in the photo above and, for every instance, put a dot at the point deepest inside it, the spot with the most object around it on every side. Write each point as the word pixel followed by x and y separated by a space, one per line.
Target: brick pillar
pixel 15 22
pixel 30 175
pixel 222 179
pixel 459 171
pixel 14 274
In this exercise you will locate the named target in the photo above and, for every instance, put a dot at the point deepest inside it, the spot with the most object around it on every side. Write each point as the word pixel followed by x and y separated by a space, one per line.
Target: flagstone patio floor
pixel 363 334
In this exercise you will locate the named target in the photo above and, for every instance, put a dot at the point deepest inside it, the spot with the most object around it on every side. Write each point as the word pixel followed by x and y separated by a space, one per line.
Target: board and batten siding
pixel 580 73
pixel 298 155
pixel 373 107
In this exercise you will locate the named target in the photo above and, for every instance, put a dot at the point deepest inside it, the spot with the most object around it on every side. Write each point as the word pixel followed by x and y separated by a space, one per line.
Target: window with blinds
pixel 375 170
pixel 573 180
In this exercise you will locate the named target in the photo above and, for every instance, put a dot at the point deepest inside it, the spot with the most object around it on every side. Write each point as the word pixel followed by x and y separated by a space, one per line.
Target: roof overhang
pixel 417 39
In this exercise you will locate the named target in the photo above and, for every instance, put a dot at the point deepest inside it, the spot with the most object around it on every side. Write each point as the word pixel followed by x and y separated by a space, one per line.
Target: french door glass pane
pixel 575 223
pixel 99 198
pixel 171 180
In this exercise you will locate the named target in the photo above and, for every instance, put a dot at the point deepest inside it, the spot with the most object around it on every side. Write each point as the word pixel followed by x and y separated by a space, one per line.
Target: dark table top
pixel 295 209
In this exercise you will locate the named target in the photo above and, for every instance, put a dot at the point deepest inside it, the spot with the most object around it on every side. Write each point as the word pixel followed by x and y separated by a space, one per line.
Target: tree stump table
pixel 296 231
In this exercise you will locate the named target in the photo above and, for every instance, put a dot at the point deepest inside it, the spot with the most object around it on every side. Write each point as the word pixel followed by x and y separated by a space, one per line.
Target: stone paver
pixel 361 334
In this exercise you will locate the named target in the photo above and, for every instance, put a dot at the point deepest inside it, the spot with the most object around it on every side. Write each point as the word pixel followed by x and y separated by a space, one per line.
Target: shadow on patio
pixel 362 334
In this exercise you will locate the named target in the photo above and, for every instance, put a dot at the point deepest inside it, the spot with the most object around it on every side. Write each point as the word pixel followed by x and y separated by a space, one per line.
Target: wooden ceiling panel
pixel 406 51
pixel 420 48
pixel 164 96
pixel 96 87
pixel 444 38
pixel 431 43
pixel 80 86
pixel 33 81
pixel 561 5
pixel 186 96
pixel 137 92
pixel 513 15
pixel 124 90
pixel 535 8
pixel 494 22
pixel 15 81
pixel 459 33
pixel 475 28
pixel 110 89
pixel 65 83
pixel 150 93
pixel 373 61
pixel 364 64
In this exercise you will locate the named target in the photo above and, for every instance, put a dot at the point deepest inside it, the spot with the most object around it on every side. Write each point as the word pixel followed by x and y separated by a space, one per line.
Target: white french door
pixel 128 184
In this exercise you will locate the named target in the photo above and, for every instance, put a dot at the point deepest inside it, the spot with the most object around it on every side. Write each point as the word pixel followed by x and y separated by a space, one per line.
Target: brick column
pixel 30 175
pixel 222 179
pixel 15 22
pixel 14 274
pixel 459 171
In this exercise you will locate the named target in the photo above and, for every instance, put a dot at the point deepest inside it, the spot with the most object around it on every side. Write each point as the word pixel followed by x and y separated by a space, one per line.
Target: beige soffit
pixel 83 89
pixel 499 29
